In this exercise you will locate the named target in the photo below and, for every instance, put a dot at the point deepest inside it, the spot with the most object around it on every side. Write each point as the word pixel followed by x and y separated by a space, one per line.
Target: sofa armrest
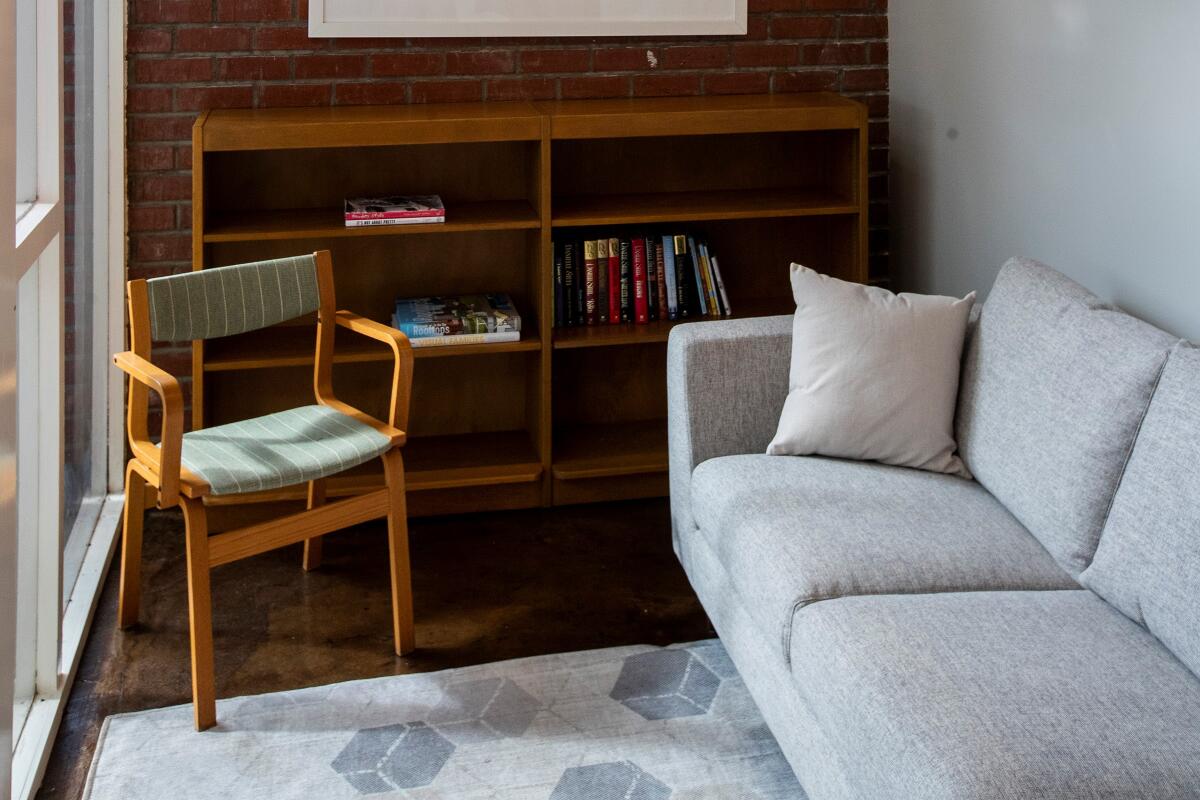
pixel 726 384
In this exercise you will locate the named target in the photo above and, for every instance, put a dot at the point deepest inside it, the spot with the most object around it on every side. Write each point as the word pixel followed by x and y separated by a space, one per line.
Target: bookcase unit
pixel 566 415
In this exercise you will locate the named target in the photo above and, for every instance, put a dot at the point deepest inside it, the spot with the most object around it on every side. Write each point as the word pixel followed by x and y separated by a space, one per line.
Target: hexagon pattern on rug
pixel 616 780
pixel 666 684
pixel 628 723
pixel 391 757
pixel 483 710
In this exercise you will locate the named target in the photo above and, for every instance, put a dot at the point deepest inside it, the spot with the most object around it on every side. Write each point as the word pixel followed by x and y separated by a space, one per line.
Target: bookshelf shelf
pixel 471 460
pixel 321 223
pixel 293 346
pixel 630 209
pixel 628 333
pixel 610 450
pixel 566 415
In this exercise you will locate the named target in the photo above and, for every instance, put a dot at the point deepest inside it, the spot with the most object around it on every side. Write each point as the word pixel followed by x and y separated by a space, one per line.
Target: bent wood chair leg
pixel 313 547
pixel 397 518
pixel 131 548
pixel 204 698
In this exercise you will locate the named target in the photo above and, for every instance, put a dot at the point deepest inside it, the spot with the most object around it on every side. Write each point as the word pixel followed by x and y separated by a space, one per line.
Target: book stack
pixel 467 319
pixel 637 279
pixel 394 210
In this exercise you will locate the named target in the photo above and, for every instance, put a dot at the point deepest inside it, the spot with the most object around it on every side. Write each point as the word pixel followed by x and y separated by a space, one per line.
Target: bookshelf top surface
pixel 707 103
pixel 666 116
pixel 365 126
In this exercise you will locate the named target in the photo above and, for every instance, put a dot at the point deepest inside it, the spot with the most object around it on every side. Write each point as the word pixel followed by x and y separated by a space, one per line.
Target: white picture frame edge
pixel 320 27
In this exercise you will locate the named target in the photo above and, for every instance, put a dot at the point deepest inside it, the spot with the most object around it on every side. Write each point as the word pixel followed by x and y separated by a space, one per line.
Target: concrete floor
pixel 487 588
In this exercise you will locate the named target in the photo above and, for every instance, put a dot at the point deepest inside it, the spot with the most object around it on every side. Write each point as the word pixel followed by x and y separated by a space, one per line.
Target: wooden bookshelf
pixel 565 415
pixel 702 206
pixel 320 223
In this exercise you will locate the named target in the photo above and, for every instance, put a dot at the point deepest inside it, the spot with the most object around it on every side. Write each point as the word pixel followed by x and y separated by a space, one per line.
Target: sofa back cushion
pixel 1148 562
pixel 1055 384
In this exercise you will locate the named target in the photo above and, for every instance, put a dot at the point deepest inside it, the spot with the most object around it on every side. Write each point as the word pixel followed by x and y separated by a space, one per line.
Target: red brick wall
pixel 187 55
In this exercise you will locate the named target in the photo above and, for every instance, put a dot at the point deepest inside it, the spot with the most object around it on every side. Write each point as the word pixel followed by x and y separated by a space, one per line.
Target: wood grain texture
pixel 605 451
pixel 683 116
pixel 398 559
pixel 254 539
pixel 204 693
pixel 638 209
pixel 133 518
pixel 564 415
pixel 369 126
pixel 323 223
pixel 313 548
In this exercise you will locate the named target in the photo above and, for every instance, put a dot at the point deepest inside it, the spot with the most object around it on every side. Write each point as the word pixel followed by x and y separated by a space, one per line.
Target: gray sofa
pixel 1034 633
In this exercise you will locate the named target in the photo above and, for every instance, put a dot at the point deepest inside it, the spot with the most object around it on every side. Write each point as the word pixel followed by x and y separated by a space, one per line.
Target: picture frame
pixel 519 18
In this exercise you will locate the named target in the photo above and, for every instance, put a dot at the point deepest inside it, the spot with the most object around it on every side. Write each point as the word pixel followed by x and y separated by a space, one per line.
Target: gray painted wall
pixel 1062 130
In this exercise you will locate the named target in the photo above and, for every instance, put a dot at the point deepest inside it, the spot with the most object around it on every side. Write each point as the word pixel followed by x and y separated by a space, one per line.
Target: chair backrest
pixel 223 301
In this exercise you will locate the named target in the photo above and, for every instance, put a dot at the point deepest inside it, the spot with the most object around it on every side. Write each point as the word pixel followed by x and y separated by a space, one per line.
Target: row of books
pixel 394 210
pixel 637 279
pixel 465 319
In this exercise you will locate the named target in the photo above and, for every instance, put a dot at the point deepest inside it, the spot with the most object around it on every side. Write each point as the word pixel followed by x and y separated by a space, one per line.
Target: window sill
pixel 33 745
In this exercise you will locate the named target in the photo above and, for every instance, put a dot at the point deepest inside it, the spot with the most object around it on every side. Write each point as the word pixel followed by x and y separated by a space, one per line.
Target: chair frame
pixel 158 469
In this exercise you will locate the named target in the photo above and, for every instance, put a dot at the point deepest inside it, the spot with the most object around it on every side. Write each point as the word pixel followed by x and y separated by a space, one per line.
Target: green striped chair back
pixel 222 301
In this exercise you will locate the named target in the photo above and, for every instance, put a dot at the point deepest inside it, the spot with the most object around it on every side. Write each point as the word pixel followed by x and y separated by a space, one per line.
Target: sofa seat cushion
pixel 794 530
pixel 1000 695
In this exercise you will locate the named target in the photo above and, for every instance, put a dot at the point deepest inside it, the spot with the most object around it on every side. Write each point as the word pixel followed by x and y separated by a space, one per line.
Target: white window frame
pixel 33 249
pixel 457 18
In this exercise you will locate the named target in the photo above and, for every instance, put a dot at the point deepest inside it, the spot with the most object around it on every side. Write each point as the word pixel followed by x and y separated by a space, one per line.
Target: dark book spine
pixel 577 296
pixel 569 276
pixel 651 280
pixel 614 281
pixel 602 281
pixel 559 294
pixel 641 305
pixel 590 315
pixel 682 268
pixel 660 274
pixel 626 281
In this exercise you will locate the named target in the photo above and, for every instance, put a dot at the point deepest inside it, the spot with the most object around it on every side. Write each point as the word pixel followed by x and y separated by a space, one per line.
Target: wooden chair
pixel 304 445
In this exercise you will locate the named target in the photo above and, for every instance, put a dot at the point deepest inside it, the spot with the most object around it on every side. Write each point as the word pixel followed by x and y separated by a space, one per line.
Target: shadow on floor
pixel 487 588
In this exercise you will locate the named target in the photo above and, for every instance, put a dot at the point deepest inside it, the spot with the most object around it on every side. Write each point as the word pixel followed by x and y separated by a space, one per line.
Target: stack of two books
pixel 467 319
pixel 361 212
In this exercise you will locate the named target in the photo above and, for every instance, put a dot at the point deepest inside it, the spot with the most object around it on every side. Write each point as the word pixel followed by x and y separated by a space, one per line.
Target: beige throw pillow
pixel 874 375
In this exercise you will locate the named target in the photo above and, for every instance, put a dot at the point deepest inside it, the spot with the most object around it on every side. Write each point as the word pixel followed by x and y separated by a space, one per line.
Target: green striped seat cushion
pixel 283 449
pixel 222 301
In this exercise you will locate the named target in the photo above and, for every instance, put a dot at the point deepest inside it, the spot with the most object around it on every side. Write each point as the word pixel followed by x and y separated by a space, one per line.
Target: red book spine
pixel 589 282
pixel 641 303
pixel 614 281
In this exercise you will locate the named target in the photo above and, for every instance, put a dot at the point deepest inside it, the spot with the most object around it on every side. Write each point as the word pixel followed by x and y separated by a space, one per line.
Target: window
pixel 26 116
pixel 63 154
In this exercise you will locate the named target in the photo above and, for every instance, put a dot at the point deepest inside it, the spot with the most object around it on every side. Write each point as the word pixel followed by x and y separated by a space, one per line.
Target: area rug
pixel 627 723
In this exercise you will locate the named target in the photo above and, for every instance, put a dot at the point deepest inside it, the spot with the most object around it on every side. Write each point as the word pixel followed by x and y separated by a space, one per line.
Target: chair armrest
pixel 165 459
pixel 727 381
pixel 402 354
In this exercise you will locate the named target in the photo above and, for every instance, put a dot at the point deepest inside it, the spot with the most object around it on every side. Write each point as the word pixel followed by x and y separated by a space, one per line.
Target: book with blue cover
pixel 465 319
